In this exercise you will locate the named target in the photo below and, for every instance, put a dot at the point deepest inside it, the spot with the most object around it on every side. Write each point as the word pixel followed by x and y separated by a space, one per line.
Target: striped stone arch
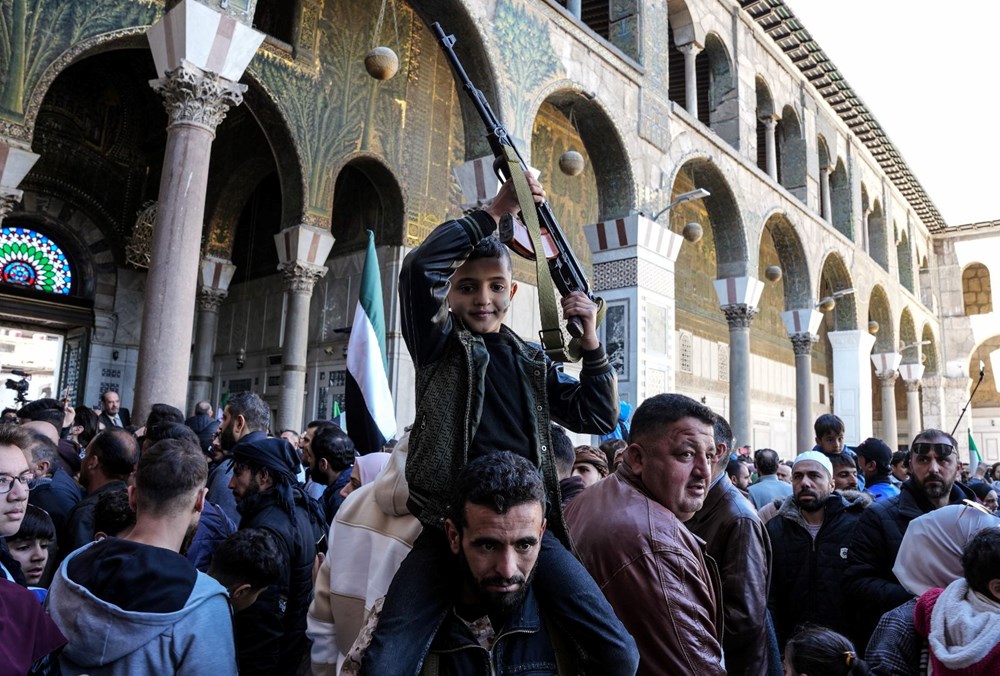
pixel 91 257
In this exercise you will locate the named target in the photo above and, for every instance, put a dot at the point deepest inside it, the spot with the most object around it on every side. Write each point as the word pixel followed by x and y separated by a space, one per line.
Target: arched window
pixel 976 290
pixel 29 258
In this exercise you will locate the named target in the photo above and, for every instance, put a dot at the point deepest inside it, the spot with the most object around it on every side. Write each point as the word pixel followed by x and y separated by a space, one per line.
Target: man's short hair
pixel 118 452
pixel 249 556
pixel 842 460
pixel 492 247
pixel 766 461
pixel 562 451
pixel 733 467
pixel 168 471
pixel 203 408
pixel 163 414
pixel 723 433
pixel 827 423
pixel 105 393
pixel 112 513
pixel 13 435
pixel 872 449
pixel 333 444
pixel 656 413
pixel 900 458
pixel 321 423
pixel 46 410
pixel 981 560
pixel 254 410
pixel 171 430
pixel 42 449
pixel 499 480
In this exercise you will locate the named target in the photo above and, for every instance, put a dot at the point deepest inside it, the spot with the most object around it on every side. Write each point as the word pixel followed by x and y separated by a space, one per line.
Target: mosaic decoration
pixel 28 258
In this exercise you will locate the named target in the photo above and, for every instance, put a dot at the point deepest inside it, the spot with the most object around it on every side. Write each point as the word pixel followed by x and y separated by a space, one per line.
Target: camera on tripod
pixel 19 386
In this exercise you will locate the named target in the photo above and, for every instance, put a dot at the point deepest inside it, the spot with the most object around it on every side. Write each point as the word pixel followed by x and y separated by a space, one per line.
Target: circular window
pixel 29 258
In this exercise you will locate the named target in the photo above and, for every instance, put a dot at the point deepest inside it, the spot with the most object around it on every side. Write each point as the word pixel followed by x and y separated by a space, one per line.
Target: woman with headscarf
pixel 366 468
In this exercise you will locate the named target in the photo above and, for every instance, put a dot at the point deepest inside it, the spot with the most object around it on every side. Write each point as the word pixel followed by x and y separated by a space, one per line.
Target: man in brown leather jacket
pixel 630 535
pixel 738 543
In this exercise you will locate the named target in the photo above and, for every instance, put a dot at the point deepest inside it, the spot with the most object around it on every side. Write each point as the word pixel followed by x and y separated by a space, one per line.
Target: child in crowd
pixel 830 431
pixel 480 388
pixel 30 545
pixel 246 563
pixel 817 651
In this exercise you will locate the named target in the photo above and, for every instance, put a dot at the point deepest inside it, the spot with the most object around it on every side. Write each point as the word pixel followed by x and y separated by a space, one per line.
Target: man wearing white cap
pixel 809 540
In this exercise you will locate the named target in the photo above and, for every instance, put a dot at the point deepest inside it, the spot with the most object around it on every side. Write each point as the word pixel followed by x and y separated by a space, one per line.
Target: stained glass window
pixel 29 258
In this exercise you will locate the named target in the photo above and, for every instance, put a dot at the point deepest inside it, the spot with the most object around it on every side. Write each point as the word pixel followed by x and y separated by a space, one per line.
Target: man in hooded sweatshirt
pixel 135 605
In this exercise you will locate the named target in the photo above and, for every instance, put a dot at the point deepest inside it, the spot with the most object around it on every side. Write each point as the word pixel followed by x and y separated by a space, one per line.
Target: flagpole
pixel 982 374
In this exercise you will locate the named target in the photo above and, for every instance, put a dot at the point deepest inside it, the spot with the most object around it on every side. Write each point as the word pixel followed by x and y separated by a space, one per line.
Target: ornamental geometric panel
pixel 29 258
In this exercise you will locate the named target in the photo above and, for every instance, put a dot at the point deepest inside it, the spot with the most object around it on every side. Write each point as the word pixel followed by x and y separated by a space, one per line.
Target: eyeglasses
pixel 7 482
pixel 941 450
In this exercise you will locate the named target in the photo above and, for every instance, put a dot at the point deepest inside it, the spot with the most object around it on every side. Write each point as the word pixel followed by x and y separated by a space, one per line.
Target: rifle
pixel 562 262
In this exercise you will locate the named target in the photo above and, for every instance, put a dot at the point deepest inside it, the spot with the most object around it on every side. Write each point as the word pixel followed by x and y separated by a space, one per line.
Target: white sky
pixel 928 73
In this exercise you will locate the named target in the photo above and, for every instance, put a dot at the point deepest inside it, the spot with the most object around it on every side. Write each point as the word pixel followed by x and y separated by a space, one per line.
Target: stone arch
pixel 685 27
pixel 764 112
pixel 840 201
pixel 835 276
pixel 602 142
pixel 904 259
pixel 721 211
pixel 367 196
pixel 472 52
pixel 795 282
pixel 929 352
pixel 257 220
pixel 223 219
pixel 880 311
pixel 909 347
pixel 682 29
pixel 977 292
pixel 877 236
pixel 718 105
pixel 791 153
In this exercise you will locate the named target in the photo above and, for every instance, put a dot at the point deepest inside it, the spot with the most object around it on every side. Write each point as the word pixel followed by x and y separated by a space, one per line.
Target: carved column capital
pixel 912 385
pixel 194 96
pixel 300 278
pixel 740 315
pixel 691 49
pixel 7 202
pixel 887 378
pixel 802 342
pixel 210 299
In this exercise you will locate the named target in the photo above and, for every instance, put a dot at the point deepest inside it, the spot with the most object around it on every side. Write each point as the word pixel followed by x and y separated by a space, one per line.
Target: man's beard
pixel 189 536
pixel 814 506
pixel 940 490
pixel 227 439
pixel 252 489
pixel 497 603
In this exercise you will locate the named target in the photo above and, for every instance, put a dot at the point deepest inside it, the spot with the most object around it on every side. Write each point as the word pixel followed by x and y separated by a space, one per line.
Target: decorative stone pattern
pixel 210 299
pixel 618 274
pixel 655 279
pixel 685 352
pixel 739 316
pixel 802 342
pixel 192 96
pixel 724 362
pixel 301 278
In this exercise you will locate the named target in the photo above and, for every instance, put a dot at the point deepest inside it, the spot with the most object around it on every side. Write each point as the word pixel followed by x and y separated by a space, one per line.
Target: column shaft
pixel 200 381
pixel 890 432
pixel 196 103
pixel 772 153
pixel 739 318
pixel 826 208
pixel 690 78
pixel 802 346
pixel 300 280
pixel 913 425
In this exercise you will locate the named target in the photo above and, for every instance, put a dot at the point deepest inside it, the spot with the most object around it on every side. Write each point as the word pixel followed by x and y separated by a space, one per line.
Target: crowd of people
pixel 483 541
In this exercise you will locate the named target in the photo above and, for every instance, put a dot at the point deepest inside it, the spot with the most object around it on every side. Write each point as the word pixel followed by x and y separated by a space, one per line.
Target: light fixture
pixel 827 303
pixel 873 327
pixel 696 194
pixel 903 347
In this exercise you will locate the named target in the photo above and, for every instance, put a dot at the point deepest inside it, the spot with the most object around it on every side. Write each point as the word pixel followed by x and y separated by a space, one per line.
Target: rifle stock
pixel 567 274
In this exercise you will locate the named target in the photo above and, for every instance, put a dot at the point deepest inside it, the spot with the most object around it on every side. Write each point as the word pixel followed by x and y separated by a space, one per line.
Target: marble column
pixel 302 253
pixel 638 331
pixel 198 83
pixel 771 146
pixel 852 400
pixel 886 370
pixel 825 201
pixel 803 330
pixel 574 7
pixel 216 274
pixel 911 374
pixel 690 52
pixel 15 163
pixel 738 298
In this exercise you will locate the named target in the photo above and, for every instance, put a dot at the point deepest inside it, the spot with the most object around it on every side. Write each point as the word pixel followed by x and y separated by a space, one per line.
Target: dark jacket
pixel 332 499
pixel 58 496
pixel 270 634
pixel 735 538
pixel 80 529
pixel 523 645
pixel 204 426
pixel 869 583
pixel 570 487
pixel 123 415
pixel 655 573
pixel 451 365
pixel 807 573
pixel 213 527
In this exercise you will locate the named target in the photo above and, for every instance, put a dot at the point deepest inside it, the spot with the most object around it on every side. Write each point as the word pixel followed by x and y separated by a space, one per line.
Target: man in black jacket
pixel 204 425
pixel 869 583
pixel 270 634
pixel 809 539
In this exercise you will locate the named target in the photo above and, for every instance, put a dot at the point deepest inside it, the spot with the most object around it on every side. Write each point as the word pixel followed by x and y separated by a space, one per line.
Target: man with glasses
pixel 869 581
pixel 16 479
